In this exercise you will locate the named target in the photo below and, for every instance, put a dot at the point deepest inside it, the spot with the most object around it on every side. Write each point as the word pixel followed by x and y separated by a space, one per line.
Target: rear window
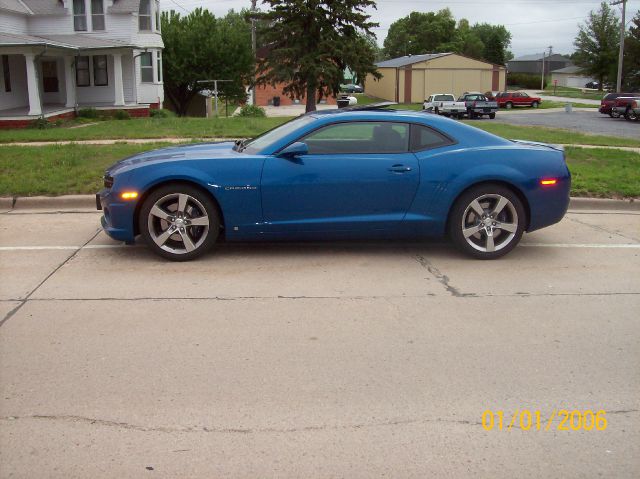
pixel 443 98
pixel 425 138
pixel 611 96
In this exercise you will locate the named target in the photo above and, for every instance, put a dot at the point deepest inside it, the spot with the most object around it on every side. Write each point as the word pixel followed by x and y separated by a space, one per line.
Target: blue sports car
pixel 340 174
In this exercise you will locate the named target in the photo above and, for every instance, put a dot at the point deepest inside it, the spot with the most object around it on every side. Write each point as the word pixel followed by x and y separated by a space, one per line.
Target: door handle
pixel 399 169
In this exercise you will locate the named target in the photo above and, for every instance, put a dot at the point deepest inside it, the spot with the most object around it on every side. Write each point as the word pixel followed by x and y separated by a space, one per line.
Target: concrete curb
pixel 88 202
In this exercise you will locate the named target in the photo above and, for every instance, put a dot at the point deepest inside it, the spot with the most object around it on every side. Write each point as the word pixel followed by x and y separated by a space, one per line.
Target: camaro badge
pixel 228 188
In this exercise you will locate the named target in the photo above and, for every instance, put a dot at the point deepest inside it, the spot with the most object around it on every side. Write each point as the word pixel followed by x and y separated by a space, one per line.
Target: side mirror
pixel 294 150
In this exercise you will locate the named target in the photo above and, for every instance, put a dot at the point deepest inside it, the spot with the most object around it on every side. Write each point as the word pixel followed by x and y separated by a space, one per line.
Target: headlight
pixel 108 181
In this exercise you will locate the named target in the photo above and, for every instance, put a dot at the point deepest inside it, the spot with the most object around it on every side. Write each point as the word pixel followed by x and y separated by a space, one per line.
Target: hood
pixel 211 151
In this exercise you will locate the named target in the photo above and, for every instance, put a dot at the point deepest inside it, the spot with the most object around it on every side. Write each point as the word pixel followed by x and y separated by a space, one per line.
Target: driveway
pixel 584 101
pixel 293 110
pixel 323 360
pixel 589 122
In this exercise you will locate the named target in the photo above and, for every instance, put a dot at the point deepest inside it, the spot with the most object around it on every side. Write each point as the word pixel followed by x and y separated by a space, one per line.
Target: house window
pixel 100 75
pixel 79 16
pixel 157 15
pixel 49 76
pixel 97 15
pixel 5 73
pixel 144 15
pixel 82 71
pixel 159 66
pixel 146 67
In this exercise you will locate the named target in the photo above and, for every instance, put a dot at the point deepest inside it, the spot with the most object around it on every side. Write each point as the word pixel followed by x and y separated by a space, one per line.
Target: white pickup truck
pixel 444 104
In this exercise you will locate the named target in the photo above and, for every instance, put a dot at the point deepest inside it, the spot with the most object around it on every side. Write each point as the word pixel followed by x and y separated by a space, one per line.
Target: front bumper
pixel 118 216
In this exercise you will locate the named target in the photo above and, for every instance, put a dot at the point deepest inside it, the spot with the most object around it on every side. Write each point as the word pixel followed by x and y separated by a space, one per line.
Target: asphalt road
pixel 316 360
pixel 590 122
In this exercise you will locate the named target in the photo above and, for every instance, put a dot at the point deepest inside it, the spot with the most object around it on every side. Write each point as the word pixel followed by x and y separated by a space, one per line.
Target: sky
pixel 534 24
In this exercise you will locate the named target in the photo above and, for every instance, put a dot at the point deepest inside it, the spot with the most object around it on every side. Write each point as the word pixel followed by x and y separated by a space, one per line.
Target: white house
pixel 571 76
pixel 61 55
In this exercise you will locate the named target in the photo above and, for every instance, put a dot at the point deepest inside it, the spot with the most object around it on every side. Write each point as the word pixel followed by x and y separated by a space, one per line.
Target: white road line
pixel 530 245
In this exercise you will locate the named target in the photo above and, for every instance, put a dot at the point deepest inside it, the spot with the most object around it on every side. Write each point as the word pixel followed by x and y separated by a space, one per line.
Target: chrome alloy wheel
pixel 178 223
pixel 489 223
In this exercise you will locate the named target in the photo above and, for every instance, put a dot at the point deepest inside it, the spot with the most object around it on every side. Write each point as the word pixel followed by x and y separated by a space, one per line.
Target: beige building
pixel 413 78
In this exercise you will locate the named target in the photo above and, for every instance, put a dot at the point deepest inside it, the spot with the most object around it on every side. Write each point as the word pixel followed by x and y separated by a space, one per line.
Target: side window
pixel 79 16
pixel 359 137
pixel 146 67
pixel 97 15
pixel 144 15
pixel 5 72
pixel 82 71
pixel 100 75
pixel 424 138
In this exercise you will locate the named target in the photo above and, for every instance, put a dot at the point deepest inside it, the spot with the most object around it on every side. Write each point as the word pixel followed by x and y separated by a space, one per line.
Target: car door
pixel 357 176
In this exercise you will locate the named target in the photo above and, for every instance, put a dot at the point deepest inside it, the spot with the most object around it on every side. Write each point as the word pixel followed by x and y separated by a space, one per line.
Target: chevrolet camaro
pixel 360 173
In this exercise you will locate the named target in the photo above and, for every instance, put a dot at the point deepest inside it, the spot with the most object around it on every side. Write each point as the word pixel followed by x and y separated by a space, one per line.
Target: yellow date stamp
pixel 559 419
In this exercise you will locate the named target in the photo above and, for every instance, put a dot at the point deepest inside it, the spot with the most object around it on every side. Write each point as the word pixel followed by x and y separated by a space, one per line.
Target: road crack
pixel 442 278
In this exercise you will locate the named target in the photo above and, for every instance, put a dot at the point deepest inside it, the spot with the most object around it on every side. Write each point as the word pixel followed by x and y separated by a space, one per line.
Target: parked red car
pixel 509 99
pixel 609 101
pixel 626 107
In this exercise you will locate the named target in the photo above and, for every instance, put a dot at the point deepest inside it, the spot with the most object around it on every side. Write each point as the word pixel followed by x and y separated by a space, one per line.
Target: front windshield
pixel 259 143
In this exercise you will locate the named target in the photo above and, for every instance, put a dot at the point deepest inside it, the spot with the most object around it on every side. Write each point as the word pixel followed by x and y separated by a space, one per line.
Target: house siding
pixel 13 23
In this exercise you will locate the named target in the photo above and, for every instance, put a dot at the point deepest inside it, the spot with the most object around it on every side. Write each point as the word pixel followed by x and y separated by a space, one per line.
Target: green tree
pixel 631 71
pixel 200 47
pixel 420 33
pixel 496 40
pixel 597 44
pixel 311 42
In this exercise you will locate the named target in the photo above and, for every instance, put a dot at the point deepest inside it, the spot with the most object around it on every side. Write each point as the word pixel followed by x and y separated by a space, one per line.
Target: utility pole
pixel 253 48
pixel 543 54
pixel 622 32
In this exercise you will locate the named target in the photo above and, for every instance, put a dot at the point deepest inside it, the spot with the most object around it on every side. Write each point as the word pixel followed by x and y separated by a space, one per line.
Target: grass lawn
pixel 149 128
pixel 78 169
pixel 59 169
pixel 574 93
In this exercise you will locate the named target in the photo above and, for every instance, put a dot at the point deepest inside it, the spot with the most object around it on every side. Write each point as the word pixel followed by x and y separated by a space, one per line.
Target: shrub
pixel 88 113
pixel 122 115
pixel 40 123
pixel 252 110
pixel 525 80
pixel 154 113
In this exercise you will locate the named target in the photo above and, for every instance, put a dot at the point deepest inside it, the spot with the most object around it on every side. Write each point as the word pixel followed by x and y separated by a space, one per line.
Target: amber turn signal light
pixel 129 195
pixel 548 182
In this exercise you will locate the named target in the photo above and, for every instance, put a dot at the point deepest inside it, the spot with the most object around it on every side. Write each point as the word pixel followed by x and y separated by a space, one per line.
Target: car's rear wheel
pixel 534 104
pixel 492 116
pixel 487 221
pixel 179 222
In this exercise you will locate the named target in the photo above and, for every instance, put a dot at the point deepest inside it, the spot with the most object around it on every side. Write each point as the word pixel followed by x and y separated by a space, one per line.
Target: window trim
pixel 142 15
pixel 88 69
pixel 106 69
pixel 80 15
pixel 449 141
pixel 349 153
pixel 6 73
pixel 156 15
pixel 159 66
pixel 101 14
pixel 146 67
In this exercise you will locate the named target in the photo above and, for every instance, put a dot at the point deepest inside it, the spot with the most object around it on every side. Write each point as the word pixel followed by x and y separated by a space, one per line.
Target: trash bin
pixel 276 101
pixel 342 102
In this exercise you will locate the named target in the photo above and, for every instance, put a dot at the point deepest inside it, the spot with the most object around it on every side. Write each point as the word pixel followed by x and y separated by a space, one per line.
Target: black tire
pixel 188 240
pixel 492 116
pixel 436 111
pixel 464 218
pixel 534 104
pixel 508 105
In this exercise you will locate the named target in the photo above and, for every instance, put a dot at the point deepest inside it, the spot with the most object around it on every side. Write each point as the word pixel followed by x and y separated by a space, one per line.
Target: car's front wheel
pixel 179 222
pixel 509 105
pixel 487 221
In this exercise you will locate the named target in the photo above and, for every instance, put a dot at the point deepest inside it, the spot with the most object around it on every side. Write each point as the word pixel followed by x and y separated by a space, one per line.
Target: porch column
pixel 69 83
pixel 117 79
pixel 33 85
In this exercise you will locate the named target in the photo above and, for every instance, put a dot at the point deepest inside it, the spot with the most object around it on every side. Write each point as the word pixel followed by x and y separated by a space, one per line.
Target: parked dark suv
pixel 609 100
